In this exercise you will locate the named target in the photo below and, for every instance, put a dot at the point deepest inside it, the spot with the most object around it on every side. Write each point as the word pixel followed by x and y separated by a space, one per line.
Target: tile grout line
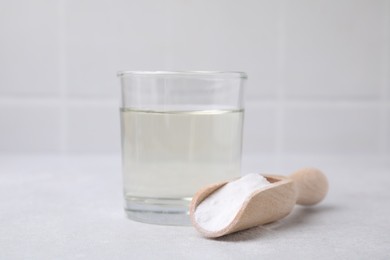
pixel 384 136
pixel 169 32
pixel 103 101
pixel 386 89
pixel 281 66
pixel 62 81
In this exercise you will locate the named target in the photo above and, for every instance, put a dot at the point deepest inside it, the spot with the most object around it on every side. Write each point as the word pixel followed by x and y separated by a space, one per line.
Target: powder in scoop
pixel 219 209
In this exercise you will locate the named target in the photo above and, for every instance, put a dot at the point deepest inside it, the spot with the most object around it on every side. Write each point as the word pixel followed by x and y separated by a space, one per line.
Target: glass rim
pixel 230 74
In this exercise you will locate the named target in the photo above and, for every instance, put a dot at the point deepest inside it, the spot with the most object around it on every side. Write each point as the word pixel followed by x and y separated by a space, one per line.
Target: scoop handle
pixel 312 186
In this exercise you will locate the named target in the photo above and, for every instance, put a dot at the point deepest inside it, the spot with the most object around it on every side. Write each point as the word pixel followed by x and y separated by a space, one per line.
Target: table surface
pixel 54 207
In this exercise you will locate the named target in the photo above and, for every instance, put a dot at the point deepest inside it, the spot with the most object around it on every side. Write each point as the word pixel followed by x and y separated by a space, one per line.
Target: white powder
pixel 220 208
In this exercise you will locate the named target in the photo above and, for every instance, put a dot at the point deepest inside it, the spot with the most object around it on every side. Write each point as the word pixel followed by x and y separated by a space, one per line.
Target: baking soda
pixel 219 209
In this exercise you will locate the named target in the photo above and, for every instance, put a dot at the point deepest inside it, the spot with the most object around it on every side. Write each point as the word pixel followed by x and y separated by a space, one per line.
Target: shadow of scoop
pixel 299 217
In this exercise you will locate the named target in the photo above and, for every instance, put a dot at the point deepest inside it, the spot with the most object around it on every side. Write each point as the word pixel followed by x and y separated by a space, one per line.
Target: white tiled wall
pixel 316 129
pixel 28 48
pixel 260 129
pixel 319 71
pixel 334 49
pixel 29 128
pixel 106 36
pixel 93 127
pixel 227 35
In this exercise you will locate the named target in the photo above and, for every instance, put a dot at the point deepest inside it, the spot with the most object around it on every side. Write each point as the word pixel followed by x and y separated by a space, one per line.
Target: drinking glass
pixel 181 130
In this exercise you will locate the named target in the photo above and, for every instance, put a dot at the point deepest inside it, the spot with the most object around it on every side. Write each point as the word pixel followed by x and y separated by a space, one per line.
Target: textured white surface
pixel 71 208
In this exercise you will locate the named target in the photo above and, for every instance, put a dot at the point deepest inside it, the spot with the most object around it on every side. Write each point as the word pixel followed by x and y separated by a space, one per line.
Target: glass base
pixel 174 212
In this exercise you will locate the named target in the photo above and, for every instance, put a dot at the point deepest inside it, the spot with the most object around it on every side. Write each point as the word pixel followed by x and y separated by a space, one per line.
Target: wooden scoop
pixel 305 187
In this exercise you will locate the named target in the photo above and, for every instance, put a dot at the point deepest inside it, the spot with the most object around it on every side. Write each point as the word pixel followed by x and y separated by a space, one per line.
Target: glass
pixel 180 131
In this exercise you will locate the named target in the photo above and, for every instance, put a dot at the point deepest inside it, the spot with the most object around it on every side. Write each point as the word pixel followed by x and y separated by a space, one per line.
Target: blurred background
pixel 319 71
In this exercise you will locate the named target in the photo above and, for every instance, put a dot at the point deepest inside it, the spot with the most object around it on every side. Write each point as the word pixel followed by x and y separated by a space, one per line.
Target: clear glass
pixel 180 131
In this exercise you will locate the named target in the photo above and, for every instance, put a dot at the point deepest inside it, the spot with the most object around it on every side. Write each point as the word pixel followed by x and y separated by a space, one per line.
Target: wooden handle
pixel 311 184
